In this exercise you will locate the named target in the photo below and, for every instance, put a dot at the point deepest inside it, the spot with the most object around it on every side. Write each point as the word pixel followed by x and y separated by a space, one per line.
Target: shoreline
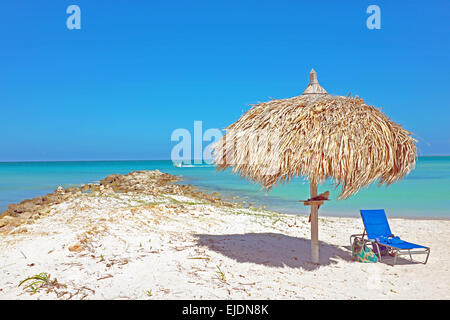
pixel 142 236
pixel 402 200
pixel 63 194
pixel 161 182
pixel 232 199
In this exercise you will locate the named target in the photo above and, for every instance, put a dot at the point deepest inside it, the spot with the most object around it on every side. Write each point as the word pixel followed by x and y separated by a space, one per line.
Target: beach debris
pixel 76 248
pixel 41 281
pixel 199 258
pixel 18 230
pixel 105 277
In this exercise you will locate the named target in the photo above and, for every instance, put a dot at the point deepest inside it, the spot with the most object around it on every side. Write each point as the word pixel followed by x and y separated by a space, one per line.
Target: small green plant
pixel 102 258
pixel 40 281
pixel 221 275
pixel 149 293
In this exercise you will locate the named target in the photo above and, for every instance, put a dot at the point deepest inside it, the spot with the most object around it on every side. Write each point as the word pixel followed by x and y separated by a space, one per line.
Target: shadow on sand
pixel 272 249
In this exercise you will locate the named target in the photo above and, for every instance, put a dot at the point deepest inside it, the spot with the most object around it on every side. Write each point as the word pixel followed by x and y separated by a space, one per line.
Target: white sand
pixel 132 244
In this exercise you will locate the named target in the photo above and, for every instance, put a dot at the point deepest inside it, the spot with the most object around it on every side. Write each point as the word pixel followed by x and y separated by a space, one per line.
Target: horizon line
pixel 116 160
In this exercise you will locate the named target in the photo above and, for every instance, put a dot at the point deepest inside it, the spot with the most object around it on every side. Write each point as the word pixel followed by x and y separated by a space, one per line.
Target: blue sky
pixel 137 70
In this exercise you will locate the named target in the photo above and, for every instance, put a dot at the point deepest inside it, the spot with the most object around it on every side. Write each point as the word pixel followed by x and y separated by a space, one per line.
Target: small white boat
pixel 181 165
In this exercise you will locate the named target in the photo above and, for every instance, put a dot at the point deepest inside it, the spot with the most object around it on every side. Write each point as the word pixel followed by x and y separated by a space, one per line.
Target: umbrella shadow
pixel 272 249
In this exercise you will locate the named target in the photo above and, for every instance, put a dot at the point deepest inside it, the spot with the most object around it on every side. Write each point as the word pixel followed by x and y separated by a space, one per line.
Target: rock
pixel 8 220
pixel 110 179
pixel 38 200
pixel 26 215
pixel 50 198
pixel 44 211
pixel 3 222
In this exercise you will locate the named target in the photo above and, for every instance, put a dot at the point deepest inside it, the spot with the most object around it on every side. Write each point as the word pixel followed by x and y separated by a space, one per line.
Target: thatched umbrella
pixel 319 137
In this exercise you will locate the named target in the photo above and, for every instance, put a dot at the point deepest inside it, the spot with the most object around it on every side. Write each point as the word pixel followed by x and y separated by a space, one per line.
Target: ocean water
pixel 424 193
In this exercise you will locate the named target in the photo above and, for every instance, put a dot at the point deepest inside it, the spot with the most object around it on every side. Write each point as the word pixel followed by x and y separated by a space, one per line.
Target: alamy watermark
pixel 74 20
pixel 182 151
pixel 374 20
pixel 237 147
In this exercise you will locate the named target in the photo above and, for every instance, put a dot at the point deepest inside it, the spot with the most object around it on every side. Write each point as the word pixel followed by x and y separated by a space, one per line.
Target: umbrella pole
pixel 314 224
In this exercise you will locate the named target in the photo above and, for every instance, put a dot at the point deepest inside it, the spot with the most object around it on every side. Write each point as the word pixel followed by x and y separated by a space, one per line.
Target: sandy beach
pixel 141 236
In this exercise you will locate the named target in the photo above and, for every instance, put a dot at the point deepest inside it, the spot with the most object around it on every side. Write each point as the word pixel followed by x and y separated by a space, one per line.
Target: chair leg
pixel 426 260
pixel 379 252
pixel 395 257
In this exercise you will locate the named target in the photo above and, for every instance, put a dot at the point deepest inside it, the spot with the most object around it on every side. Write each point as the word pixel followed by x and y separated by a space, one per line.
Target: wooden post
pixel 314 224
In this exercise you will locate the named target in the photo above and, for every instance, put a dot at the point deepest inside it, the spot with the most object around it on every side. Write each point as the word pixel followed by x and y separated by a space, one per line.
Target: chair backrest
pixel 376 223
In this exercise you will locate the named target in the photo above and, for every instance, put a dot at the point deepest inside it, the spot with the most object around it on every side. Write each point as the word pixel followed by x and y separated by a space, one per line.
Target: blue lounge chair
pixel 378 233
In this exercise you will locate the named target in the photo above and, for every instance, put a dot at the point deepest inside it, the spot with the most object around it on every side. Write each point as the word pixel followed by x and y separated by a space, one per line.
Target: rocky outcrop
pixel 151 182
pixel 142 182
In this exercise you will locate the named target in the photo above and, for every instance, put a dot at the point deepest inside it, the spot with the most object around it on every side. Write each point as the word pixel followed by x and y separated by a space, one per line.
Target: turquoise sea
pixel 424 193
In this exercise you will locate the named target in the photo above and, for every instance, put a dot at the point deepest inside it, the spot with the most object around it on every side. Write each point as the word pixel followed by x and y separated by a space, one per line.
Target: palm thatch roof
pixel 319 137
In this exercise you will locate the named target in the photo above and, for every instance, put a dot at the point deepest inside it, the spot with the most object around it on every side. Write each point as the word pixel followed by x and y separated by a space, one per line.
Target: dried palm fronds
pixel 320 137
